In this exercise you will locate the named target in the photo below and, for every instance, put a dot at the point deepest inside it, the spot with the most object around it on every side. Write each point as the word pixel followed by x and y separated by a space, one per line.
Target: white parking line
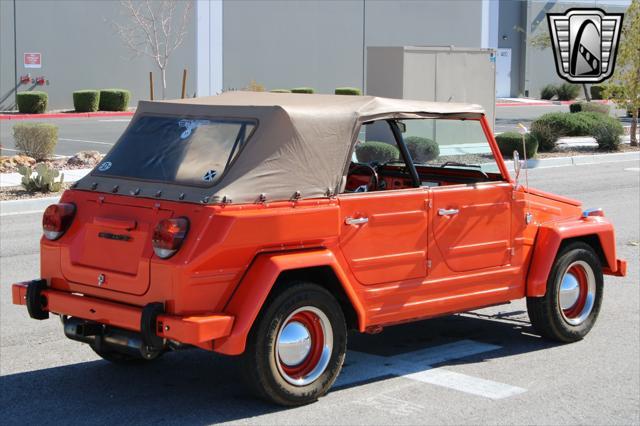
pixel 85 141
pixel 632 169
pixel 417 365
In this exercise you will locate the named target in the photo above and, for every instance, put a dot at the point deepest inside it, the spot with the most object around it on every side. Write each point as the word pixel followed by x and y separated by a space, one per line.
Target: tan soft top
pixel 300 148
pixel 361 106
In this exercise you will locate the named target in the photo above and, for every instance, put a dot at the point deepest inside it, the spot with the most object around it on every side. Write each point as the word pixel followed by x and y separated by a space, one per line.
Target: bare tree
pixel 153 29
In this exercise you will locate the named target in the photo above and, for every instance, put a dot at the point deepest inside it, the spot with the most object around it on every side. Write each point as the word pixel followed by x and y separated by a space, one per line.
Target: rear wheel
pixel 570 307
pixel 297 346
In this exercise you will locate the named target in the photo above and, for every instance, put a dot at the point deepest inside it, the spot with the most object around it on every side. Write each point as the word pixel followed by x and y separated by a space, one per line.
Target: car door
pixel 384 234
pixel 471 225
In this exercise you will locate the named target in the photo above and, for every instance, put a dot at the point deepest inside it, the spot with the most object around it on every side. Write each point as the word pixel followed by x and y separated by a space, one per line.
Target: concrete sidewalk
pixel 14 179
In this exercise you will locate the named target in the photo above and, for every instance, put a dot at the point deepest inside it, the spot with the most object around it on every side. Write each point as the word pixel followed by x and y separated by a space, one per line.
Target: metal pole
pixel 151 85
pixel 184 82
pixel 15 56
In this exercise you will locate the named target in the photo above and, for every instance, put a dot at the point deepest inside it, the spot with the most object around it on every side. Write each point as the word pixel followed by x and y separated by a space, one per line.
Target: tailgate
pixel 111 247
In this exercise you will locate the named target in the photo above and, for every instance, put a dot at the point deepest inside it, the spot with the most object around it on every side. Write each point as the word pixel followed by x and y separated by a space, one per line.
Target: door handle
pixel 447 212
pixel 356 220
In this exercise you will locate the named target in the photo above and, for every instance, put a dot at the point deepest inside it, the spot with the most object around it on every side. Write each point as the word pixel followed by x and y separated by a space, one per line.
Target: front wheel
pixel 571 304
pixel 297 346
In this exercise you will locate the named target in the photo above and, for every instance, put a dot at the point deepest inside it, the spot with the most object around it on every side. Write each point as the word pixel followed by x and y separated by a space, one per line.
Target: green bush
pixel 548 92
pixel 607 132
pixel 114 99
pixel 589 107
pixel 568 91
pixel 422 150
pixel 596 92
pixel 37 140
pixel 354 91
pixel 512 141
pixel 379 152
pixel 32 102
pixel 549 127
pixel 280 91
pixel 303 90
pixel 86 100
pixel 43 181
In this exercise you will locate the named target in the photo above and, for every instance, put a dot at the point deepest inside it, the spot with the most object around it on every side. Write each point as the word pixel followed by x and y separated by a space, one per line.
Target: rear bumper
pixel 621 269
pixel 198 330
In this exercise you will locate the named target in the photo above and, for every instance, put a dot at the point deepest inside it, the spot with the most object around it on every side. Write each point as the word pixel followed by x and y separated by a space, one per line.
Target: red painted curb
pixel 66 115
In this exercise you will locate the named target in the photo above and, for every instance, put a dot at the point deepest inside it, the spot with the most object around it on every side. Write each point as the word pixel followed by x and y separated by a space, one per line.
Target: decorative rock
pixel 11 163
pixel 85 158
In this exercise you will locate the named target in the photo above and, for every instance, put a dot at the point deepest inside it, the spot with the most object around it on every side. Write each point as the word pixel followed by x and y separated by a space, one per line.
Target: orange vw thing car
pixel 267 225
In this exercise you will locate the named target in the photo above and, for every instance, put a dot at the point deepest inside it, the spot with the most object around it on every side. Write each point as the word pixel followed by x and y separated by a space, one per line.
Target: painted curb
pixel 14 207
pixel 66 115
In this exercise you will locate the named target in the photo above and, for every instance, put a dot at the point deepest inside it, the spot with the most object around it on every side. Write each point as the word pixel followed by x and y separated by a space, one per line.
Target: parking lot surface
pixel 481 367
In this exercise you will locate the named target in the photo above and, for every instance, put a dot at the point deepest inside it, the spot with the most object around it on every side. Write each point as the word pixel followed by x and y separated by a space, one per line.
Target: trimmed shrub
pixel 596 92
pixel 114 99
pixel 303 90
pixel 86 100
pixel 548 92
pixel 37 140
pixel 354 91
pixel 549 127
pixel 32 102
pixel 280 91
pixel 379 152
pixel 568 91
pixel 422 150
pixel 607 132
pixel 589 107
pixel 512 141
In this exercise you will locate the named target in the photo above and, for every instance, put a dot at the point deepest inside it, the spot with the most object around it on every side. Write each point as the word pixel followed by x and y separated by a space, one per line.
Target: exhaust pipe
pixel 103 337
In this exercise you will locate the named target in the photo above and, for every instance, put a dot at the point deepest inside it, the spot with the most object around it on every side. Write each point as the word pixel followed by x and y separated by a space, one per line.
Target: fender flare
pixel 549 238
pixel 254 288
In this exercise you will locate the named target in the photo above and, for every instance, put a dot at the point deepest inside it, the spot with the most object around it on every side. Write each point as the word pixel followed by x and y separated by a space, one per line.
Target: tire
pixel 297 345
pixel 571 304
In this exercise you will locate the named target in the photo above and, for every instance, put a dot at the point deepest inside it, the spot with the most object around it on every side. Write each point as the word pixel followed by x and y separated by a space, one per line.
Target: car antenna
pixel 524 131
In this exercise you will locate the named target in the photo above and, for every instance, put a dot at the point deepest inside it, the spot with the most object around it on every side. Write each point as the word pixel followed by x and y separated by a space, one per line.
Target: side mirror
pixel 517 166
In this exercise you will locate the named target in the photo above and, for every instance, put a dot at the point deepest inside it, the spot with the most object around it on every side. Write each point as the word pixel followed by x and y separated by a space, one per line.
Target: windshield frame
pixel 229 162
pixel 484 124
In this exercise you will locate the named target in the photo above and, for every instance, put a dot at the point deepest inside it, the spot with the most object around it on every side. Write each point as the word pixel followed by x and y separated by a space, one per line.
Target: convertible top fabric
pixel 300 148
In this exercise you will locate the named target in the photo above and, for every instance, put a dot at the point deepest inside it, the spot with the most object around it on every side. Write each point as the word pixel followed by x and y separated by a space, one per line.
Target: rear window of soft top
pixel 186 151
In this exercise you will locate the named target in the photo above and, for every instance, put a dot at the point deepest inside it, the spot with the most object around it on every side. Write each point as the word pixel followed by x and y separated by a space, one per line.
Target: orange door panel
pixel 471 225
pixel 384 235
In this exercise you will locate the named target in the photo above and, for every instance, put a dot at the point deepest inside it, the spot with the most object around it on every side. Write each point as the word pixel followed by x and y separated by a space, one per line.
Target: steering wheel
pixel 373 180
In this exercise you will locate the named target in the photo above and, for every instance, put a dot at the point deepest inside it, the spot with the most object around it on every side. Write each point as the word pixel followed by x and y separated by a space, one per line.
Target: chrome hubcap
pixel 577 293
pixel 569 291
pixel 303 346
pixel 294 344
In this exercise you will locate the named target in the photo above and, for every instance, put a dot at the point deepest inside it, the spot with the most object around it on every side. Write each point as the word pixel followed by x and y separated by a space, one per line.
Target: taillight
pixel 56 220
pixel 169 235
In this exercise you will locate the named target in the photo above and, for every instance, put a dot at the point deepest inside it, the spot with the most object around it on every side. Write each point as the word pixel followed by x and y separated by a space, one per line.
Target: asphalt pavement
pixel 483 367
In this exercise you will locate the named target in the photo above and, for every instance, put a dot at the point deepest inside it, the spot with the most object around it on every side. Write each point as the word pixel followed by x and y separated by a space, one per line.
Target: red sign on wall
pixel 33 60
